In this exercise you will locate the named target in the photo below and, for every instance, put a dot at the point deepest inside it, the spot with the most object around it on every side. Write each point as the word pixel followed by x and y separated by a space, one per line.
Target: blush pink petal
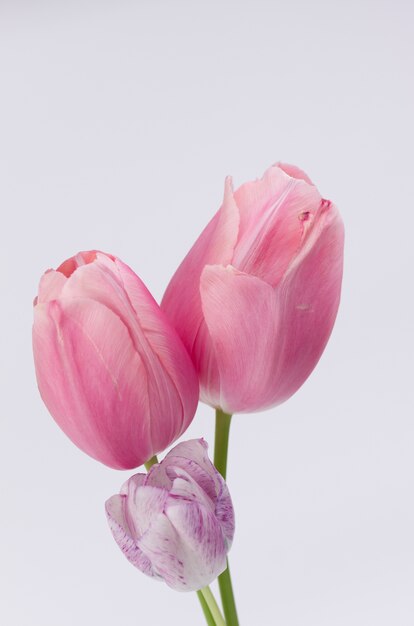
pixel 308 299
pixel 93 381
pixel 171 379
pixel 241 315
pixel 275 214
pixel 215 245
pixel 174 385
pixel 294 172
pixel 50 286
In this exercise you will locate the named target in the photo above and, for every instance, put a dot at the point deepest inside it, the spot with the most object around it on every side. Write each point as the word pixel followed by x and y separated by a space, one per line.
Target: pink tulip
pixel 255 299
pixel 175 523
pixel 110 368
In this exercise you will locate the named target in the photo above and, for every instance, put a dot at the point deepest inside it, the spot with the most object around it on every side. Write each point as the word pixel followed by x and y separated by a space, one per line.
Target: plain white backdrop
pixel 118 123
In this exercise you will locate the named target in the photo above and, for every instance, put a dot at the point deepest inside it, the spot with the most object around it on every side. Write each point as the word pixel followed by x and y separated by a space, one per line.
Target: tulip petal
pixel 241 316
pixel 143 504
pixel 294 172
pixel 171 379
pixel 185 546
pixel 174 388
pixel 308 299
pixel 115 511
pixel 215 245
pixel 189 485
pixel 98 391
pixel 203 546
pixel 275 214
pixel 192 456
pixel 50 286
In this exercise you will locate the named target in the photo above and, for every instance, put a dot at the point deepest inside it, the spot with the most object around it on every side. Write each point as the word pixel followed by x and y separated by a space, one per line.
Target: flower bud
pixel 256 297
pixel 110 368
pixel 175 523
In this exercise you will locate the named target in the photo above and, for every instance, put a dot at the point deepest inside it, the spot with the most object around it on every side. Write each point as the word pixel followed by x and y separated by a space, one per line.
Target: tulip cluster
pixel 242 324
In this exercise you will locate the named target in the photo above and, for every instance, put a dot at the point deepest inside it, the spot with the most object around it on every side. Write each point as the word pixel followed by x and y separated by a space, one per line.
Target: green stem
pixel 153 460
pixel 207 613
pixel 210 600
pixel 221 442
pixel 221 446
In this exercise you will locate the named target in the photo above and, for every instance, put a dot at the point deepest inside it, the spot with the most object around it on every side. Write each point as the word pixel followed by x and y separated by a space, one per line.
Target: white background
pixel 119 121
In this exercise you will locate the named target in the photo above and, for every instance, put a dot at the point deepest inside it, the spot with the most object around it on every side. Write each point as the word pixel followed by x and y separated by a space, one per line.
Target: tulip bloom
pixel 255 299
pixel 110 368
pixel 175 523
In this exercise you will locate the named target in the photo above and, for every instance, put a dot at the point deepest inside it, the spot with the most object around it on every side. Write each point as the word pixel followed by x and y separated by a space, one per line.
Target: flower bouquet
pixel 242 324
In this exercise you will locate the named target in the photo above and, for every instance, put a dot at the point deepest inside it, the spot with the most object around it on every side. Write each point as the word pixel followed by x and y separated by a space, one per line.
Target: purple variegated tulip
pixel 175 523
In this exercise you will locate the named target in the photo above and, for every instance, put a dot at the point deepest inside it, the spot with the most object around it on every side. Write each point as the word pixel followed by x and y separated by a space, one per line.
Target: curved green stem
pixel 207 613
pixel 221 446
pixel 212 605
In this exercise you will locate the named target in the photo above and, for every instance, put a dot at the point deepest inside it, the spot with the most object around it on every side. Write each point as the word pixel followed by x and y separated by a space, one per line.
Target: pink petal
pixel 215 245
pixel 241 315
pixel 172 385
pixel 294 172
pixel 275 213
pixel 308 299
pixel 93 381
pixel 50 286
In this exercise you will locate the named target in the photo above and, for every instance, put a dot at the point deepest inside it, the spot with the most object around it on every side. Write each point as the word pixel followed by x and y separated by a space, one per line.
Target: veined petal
pixel 172 385
pixel 216 244
pixel 173 382
pixel 119 527
pixel 241 315
pixel 192 456
pixel 174 545
pixel 308 299
pixel 144 504
pixel 275 213
pixel 185 487
pixel 92 380
pixel 203 546
pixel 50 286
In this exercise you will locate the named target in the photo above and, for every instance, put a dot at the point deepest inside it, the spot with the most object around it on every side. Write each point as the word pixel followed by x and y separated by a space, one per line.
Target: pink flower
pixel 110 368
pixel 255 299
pixel 175 523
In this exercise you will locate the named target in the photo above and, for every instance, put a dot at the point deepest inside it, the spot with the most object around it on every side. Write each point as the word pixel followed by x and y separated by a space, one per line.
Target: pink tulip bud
pixel 110 368
pixel 175 523
pixel 255 299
